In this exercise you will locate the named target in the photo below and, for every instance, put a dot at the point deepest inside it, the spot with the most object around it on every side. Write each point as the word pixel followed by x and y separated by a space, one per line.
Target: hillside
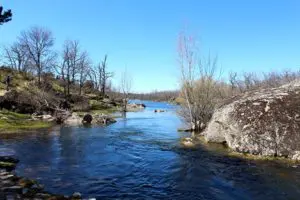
pixel 26 102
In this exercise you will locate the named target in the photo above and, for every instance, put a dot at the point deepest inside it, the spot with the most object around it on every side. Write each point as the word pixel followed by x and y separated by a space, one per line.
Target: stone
pixel 8 159
pixel 4 173
pixel 185 129
pixel 61 115
pixel 135 107
pixel 42 195
pixel 187 142
pixel 26 183
pixel 13 189
pixel 6 183
pixel 9 176
pixel 263 122
pixel 76 195
pixel 103 119
pixel 73 120
pixel 159 111
pixel 87 119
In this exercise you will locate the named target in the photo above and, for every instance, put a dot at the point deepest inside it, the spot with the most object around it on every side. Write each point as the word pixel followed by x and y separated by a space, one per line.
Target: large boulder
pixel 264 122
pixel 159 111
pixel 73 120
pixel 103 119
pixel 62 115
pixel 135 107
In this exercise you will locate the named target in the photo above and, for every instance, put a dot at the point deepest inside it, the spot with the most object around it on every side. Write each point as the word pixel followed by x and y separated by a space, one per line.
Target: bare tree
pixel 66 66
pixel 104 75
pixel 17 57
pixel 60 70
pixel 233 80
pixel 199 83
pixel 75 58
pixel 83 69
pixel 38 43
pixel 93 76
pixel 125 85
pixel 187 60
pixel 71 62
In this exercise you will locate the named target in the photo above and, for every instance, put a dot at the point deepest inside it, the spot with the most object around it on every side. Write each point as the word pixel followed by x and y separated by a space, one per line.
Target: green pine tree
pixel 5 16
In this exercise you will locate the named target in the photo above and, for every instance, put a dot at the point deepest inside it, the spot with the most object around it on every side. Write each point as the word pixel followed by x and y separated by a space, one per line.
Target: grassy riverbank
pixel 12 122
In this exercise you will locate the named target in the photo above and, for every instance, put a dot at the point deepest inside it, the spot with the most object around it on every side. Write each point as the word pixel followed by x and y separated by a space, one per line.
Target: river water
pixel 140 157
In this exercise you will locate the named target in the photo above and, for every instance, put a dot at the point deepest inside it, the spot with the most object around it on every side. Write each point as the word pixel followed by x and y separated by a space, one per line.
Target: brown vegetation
pixel 202 89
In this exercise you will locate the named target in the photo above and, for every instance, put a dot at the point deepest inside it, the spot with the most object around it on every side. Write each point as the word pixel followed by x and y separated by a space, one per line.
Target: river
pixel 140 157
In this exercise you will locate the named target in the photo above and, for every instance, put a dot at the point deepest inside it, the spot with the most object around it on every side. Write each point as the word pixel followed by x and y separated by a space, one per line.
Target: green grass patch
pixel 7 165
pixel 57 87
pixel 11 122
pixel 97 105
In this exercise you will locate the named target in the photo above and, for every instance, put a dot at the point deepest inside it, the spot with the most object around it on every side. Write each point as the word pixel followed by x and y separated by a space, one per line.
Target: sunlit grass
pixel 11 122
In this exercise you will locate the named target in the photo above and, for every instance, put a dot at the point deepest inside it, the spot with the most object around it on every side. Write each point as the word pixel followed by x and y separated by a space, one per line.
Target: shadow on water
pixel 140 157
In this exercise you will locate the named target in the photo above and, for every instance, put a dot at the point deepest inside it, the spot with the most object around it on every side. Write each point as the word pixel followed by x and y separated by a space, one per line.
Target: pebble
pixel 9 176
pixel 76 195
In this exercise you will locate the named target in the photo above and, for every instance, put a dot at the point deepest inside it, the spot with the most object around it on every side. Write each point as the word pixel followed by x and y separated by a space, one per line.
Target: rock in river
pixel 87 119
pixel 159 111
pixel 264 122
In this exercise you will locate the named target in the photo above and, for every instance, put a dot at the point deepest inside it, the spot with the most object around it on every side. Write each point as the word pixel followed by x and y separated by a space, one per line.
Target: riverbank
pixel 199 142
pixel 17 123
pixel 12 122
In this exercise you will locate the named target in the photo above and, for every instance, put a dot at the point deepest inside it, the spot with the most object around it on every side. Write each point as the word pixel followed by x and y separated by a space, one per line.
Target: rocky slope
pixel 264 122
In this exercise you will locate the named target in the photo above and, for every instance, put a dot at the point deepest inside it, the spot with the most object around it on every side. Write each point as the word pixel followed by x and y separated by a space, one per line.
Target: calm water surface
pixel 140 158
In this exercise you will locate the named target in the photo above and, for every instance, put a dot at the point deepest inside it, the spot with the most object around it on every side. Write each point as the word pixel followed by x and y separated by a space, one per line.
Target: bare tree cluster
pixel 156 95
pixel 33 53
pixel 38 42
pixel 200 86
pixel 17 57
pixel 251 81
pixel 100 75
pixel 126 84
pixel 75 64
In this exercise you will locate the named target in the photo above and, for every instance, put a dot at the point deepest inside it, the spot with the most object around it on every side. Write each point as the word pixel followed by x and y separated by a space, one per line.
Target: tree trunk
pixel 68 85
pixel 39 77
pixel 80 87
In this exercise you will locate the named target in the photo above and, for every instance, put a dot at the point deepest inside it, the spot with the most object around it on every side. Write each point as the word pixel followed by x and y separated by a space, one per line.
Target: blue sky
pixel 142 35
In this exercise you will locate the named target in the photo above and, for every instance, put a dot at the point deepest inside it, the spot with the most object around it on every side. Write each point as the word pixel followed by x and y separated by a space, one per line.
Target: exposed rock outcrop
pixel 62 115
pixel 135 107
pixel 73 120
pixel 96 119
pixel 264 122
pixel 159 111
pixel 103 119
